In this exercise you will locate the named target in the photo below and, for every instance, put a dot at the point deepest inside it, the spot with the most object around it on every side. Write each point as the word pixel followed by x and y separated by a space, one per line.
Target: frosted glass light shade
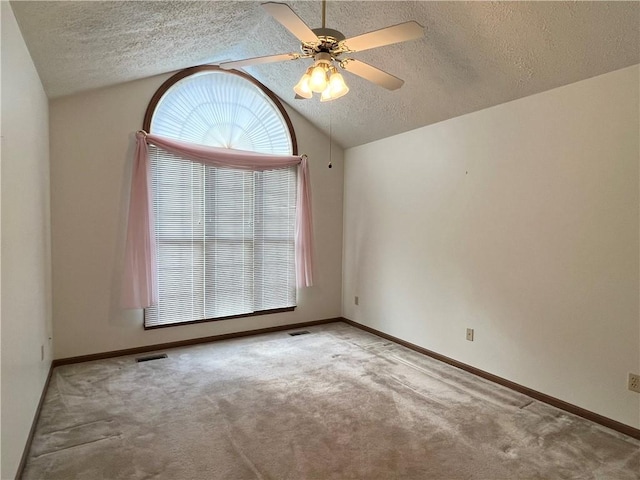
pixel 326 95
pixel 302 88
pixel 336 88
pixel 318 81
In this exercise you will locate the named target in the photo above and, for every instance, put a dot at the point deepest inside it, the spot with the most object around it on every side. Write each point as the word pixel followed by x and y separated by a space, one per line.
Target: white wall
pixel 91 153
pixel 520 221
pixel 25 251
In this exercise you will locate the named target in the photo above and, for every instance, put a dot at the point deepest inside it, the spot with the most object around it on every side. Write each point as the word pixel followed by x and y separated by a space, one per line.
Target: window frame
pixel 148 117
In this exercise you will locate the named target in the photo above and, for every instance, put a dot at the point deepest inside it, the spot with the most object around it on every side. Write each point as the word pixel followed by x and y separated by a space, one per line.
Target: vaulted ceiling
pixel 473 55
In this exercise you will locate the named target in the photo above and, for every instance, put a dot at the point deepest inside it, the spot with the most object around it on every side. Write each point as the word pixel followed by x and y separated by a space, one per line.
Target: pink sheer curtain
pixel 140 276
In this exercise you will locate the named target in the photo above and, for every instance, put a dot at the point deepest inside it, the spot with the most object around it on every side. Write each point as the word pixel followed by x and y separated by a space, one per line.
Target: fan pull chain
pixel 330 134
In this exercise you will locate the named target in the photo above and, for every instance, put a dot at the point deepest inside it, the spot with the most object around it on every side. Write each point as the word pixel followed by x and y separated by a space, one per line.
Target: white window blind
pixel 225 237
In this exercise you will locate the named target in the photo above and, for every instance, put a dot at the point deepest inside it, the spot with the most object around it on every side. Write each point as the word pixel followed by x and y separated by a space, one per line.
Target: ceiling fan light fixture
pixel 302 88
pixel 337 85
pixel 336 88
pixel 326 45
pixel 326 95
pixel 318 81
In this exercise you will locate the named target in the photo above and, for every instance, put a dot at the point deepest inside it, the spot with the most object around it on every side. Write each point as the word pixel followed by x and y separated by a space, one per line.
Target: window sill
pixel 231 317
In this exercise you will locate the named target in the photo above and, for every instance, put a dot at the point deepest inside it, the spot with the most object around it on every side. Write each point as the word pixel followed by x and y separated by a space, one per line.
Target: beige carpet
pixel 337 403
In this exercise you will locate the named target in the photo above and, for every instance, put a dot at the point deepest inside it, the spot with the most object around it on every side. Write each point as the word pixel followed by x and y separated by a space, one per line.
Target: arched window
pixel 225 238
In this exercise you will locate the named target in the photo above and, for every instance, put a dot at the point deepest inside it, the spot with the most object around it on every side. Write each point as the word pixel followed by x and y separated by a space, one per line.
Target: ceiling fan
pixel 326 46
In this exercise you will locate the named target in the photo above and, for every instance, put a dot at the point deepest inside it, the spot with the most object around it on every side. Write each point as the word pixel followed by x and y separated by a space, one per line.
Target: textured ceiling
pixel 474 54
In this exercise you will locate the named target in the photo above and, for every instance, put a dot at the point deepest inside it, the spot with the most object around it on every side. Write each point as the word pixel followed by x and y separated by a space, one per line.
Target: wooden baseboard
pixel 32 431
pixel 543 397
pixel 186 343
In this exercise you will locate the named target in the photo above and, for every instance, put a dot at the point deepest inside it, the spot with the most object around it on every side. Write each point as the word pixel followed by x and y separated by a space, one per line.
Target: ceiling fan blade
pixel 259 60
pixel 292 22
pixel 385 36
pixel 373 74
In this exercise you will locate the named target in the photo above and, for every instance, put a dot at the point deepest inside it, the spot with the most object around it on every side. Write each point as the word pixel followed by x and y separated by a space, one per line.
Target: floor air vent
pixel 301 332
pixel 148 358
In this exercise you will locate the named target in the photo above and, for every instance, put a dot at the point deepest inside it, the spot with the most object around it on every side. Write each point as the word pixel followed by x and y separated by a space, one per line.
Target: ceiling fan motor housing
pixel 329 33
pixel 328 42
pixel 323 58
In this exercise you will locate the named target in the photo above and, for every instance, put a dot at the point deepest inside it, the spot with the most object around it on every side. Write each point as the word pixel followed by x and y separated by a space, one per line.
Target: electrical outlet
pixel 470 334
pixel 634 382
pixel 356 300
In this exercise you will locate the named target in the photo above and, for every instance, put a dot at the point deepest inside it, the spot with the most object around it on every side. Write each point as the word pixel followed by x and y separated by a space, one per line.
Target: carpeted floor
pixel 337 403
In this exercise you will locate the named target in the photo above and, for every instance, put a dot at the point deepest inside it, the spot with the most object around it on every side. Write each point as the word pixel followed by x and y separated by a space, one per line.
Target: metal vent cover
pixel 148 358
pixel 300 332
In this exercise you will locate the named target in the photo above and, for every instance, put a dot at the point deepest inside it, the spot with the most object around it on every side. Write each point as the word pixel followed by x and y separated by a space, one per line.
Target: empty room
pixel 320 240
